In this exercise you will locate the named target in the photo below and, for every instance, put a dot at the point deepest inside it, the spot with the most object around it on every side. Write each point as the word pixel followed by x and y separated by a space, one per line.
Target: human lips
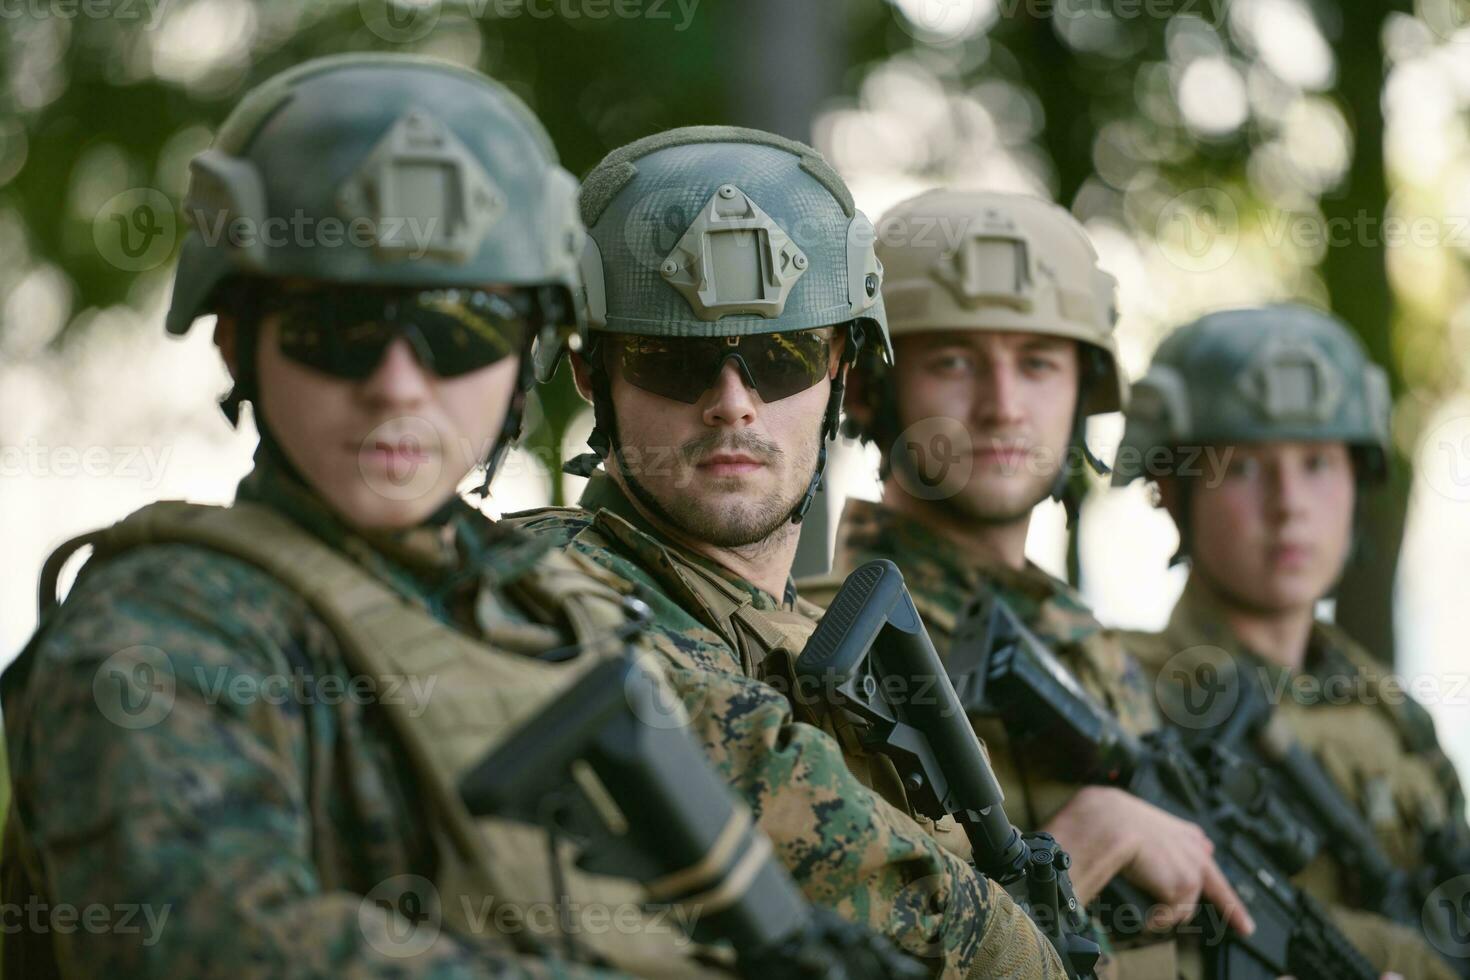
pixel 729 464
pixel 1008 455
pixel 393 455
pixel 1290 554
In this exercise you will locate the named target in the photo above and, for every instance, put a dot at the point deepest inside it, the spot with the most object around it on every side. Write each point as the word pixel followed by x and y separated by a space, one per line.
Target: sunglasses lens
pixel 684 368
pixel 468 329
pixel 789 363
pixel 680 368
pixel 453 331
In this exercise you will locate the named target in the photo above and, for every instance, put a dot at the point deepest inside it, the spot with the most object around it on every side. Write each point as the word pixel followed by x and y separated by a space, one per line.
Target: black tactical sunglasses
pixel 343 331
pixel 776 365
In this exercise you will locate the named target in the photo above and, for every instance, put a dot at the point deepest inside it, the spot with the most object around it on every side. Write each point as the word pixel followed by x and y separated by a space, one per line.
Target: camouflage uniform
pixel 256 832
pixel 1375 741
pixel 1014 264
pixel 273 806
pixel 609 531
pixel 1292 373
pixel 288 818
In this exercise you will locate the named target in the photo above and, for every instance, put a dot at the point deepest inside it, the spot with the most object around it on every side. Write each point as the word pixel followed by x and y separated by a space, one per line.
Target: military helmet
pixel 988 260
pixel 718 231
pixel 1258 374
pixel 380 169
pixel 723 231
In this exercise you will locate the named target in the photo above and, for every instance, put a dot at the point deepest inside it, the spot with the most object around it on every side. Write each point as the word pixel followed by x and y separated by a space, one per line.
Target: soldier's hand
pixel 1109 832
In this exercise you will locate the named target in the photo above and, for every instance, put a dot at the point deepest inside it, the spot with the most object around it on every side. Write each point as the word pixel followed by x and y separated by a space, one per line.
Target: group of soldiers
pixel 726 309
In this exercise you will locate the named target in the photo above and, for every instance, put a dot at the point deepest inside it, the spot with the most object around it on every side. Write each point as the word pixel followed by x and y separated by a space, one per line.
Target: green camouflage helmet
pixel 725 232
pixel 385 170
pixel 1261 374
pixel 381 170
pixel 722 231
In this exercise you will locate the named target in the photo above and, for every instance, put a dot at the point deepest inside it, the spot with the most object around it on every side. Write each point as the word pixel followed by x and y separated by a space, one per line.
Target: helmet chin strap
pixel 510 429
pixel 1062 489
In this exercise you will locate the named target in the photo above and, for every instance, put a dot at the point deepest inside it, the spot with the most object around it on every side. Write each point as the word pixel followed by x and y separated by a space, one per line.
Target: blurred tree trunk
pixel 782 61
pixel 1053 71
pixel 1067 136
pixel 1357 281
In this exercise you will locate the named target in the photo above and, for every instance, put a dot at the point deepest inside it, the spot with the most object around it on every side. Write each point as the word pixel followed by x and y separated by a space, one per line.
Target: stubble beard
pixel 752 526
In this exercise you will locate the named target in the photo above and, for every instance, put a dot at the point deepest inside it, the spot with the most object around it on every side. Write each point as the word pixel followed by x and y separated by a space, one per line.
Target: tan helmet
pixel 1002 261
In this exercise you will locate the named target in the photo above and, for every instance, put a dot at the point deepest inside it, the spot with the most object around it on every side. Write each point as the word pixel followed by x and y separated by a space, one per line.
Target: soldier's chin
pixel 1293 590
pixel 995 499
pixel 732 524
pixel 364 508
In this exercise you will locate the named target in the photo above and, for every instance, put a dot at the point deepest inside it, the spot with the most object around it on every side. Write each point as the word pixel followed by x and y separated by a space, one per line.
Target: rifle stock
pixel 877 667
pixel 607 766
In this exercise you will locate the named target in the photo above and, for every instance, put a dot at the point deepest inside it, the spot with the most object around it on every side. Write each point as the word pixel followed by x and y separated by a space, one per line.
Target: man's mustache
pixel 749 443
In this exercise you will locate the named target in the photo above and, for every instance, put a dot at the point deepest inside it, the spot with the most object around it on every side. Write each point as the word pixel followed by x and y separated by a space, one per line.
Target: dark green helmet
pixel 379 169
pixel 721 231
pixel 1259 374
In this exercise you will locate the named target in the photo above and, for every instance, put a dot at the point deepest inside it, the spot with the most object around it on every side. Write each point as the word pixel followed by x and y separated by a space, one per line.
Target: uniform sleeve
pixel 848 849
pixel 166 824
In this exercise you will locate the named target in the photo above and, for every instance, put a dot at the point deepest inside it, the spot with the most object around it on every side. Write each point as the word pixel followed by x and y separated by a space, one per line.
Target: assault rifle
pixel 1404 895
pixel 877 669
pixel 1004 670
pixel 605 767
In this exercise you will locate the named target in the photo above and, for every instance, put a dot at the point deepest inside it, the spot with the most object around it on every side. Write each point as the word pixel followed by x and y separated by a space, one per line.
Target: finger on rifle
pixel 1217 892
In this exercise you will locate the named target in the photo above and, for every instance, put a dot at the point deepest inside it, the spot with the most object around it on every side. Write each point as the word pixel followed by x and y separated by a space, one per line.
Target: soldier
pixel 1264 429
pixel 1003 336
pixel 731 282
pixel 240 737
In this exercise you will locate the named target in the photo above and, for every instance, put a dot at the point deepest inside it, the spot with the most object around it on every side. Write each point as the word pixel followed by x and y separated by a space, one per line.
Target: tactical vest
pixel 480 695
pixel 755 634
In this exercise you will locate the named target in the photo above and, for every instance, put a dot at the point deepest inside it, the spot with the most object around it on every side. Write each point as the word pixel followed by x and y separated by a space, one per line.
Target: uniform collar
pixel 1199 617
pixel 602 493
pixel 870 528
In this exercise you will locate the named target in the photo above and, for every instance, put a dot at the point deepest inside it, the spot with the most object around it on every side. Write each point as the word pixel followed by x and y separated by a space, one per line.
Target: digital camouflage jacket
pixel 692 598
pixel 249 836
